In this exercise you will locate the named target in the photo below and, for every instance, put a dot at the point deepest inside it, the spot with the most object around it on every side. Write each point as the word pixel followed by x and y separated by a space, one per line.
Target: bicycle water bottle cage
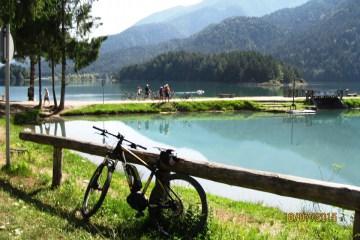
pixel 135 183
pixel 168 157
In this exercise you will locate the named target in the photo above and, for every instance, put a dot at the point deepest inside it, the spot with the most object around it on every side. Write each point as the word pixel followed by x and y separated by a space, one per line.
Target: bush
pixel 27 117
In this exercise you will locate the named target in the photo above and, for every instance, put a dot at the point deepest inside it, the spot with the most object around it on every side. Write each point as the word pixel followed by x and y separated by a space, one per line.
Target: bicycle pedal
pixel 139 214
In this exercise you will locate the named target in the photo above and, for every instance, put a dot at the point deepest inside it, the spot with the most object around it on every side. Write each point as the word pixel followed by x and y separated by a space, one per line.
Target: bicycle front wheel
pixel 181 209
pixel 96 190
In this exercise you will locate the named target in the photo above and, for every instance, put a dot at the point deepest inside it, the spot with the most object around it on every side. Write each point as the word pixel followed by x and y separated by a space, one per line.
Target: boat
pixel 301 112
pixel 351 94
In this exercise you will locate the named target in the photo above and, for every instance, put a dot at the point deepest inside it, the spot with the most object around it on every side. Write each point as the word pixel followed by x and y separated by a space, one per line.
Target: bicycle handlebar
pixel 118 136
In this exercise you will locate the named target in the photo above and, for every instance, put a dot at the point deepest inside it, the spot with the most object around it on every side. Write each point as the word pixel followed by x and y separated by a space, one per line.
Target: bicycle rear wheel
pixel 182 209
pixel 97 189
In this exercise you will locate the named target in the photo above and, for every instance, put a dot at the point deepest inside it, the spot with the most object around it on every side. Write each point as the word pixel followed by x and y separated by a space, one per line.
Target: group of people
pixel 164 92
pixel 147 91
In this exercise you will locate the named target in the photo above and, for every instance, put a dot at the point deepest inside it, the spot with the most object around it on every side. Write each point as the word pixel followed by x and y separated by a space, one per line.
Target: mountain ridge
pixel 320 37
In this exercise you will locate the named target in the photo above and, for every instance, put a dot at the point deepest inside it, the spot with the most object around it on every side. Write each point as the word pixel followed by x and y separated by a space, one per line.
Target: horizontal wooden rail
pixel 341 195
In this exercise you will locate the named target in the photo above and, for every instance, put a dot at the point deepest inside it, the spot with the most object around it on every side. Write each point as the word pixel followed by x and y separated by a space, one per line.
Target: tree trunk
pixel 53 82
pixel 63 57
pixel 32 79
pixel 40 87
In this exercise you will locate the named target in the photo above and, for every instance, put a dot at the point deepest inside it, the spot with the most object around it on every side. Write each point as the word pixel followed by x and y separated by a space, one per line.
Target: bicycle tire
pixel 86 210
pixel 186 215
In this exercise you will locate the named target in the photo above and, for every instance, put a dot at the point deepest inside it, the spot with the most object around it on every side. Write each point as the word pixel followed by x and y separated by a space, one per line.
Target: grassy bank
pixel 352 103
pixel 183 106
pixel 30 209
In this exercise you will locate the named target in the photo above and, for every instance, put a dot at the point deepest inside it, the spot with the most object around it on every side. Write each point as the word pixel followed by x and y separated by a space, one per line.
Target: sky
pixel 118 15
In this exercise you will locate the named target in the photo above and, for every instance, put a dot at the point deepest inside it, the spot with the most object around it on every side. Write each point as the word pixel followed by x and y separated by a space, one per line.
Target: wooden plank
pixel 345 196
pixel 57 167
pixel 61 142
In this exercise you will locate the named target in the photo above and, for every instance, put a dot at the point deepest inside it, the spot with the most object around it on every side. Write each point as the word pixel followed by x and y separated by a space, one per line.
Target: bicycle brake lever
pixel 161 149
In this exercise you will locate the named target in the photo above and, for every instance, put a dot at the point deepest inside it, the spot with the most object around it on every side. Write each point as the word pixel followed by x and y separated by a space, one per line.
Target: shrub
pixel 27 117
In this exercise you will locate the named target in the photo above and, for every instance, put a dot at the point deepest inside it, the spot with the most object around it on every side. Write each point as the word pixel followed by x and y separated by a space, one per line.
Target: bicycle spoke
pixel 96 190
pixel 183 208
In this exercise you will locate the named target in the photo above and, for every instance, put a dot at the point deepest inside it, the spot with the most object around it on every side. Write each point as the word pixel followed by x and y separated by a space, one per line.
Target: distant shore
pixel 277 104
pixel 261 104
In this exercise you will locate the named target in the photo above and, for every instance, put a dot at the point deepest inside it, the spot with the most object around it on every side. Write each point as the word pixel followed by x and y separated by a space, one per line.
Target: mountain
pixel 195 21
pixel 146 39
pixel 321 38
pixel 301 18
pixel 168 14
pixel 140 36
pixel 329 50
pixel 181 22
pixel 240 33
pixel 255 8
pixel 191 19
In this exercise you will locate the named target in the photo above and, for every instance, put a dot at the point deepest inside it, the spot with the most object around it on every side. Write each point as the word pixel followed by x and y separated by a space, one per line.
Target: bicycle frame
pixel 118 154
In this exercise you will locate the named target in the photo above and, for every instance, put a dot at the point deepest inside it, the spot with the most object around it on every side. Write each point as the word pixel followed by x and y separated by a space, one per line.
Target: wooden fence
pixel 340 195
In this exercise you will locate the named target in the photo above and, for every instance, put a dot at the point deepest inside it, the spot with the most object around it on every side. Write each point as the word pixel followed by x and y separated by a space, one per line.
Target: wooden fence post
pixel 356 226
pixel 57 167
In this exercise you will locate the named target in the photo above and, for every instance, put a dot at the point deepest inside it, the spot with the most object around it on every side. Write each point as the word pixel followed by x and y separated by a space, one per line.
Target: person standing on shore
pixel 161 93
pixel 147 91
pixel 167 92
pixel 138 93
pixel 46 96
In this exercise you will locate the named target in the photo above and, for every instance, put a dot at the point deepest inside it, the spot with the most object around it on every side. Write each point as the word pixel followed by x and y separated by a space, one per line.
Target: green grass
pixel 206 106
pixel 185 106
pixel 352 102
pixel 31 209
pixel 98 109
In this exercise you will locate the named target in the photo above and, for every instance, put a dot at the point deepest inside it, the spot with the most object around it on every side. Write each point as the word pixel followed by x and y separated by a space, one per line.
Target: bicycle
pixel 171 206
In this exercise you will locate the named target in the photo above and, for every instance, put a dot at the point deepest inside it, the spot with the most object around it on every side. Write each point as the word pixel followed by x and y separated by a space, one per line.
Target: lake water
pixel 126 90
pixel 322 146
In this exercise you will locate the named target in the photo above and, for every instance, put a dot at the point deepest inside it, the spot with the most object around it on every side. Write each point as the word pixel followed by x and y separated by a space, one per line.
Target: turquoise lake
pixel 322 146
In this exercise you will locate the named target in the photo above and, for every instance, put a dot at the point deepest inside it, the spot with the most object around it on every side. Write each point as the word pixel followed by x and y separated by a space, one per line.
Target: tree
pixel 22 17
pixel 58 29
pixel 76 24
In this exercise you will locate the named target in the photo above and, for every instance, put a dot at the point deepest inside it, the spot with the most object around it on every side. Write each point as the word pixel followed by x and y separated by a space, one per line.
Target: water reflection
pixel 55 128
pixel 322 146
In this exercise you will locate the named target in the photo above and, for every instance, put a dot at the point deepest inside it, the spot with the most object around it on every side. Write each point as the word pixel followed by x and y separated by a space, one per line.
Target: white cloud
pixel 117 15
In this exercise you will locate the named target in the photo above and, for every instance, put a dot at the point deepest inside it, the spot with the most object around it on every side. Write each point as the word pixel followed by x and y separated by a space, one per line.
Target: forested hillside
pixel 329 50
pixel 240 33
pixel 298 20
pixel 238 67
